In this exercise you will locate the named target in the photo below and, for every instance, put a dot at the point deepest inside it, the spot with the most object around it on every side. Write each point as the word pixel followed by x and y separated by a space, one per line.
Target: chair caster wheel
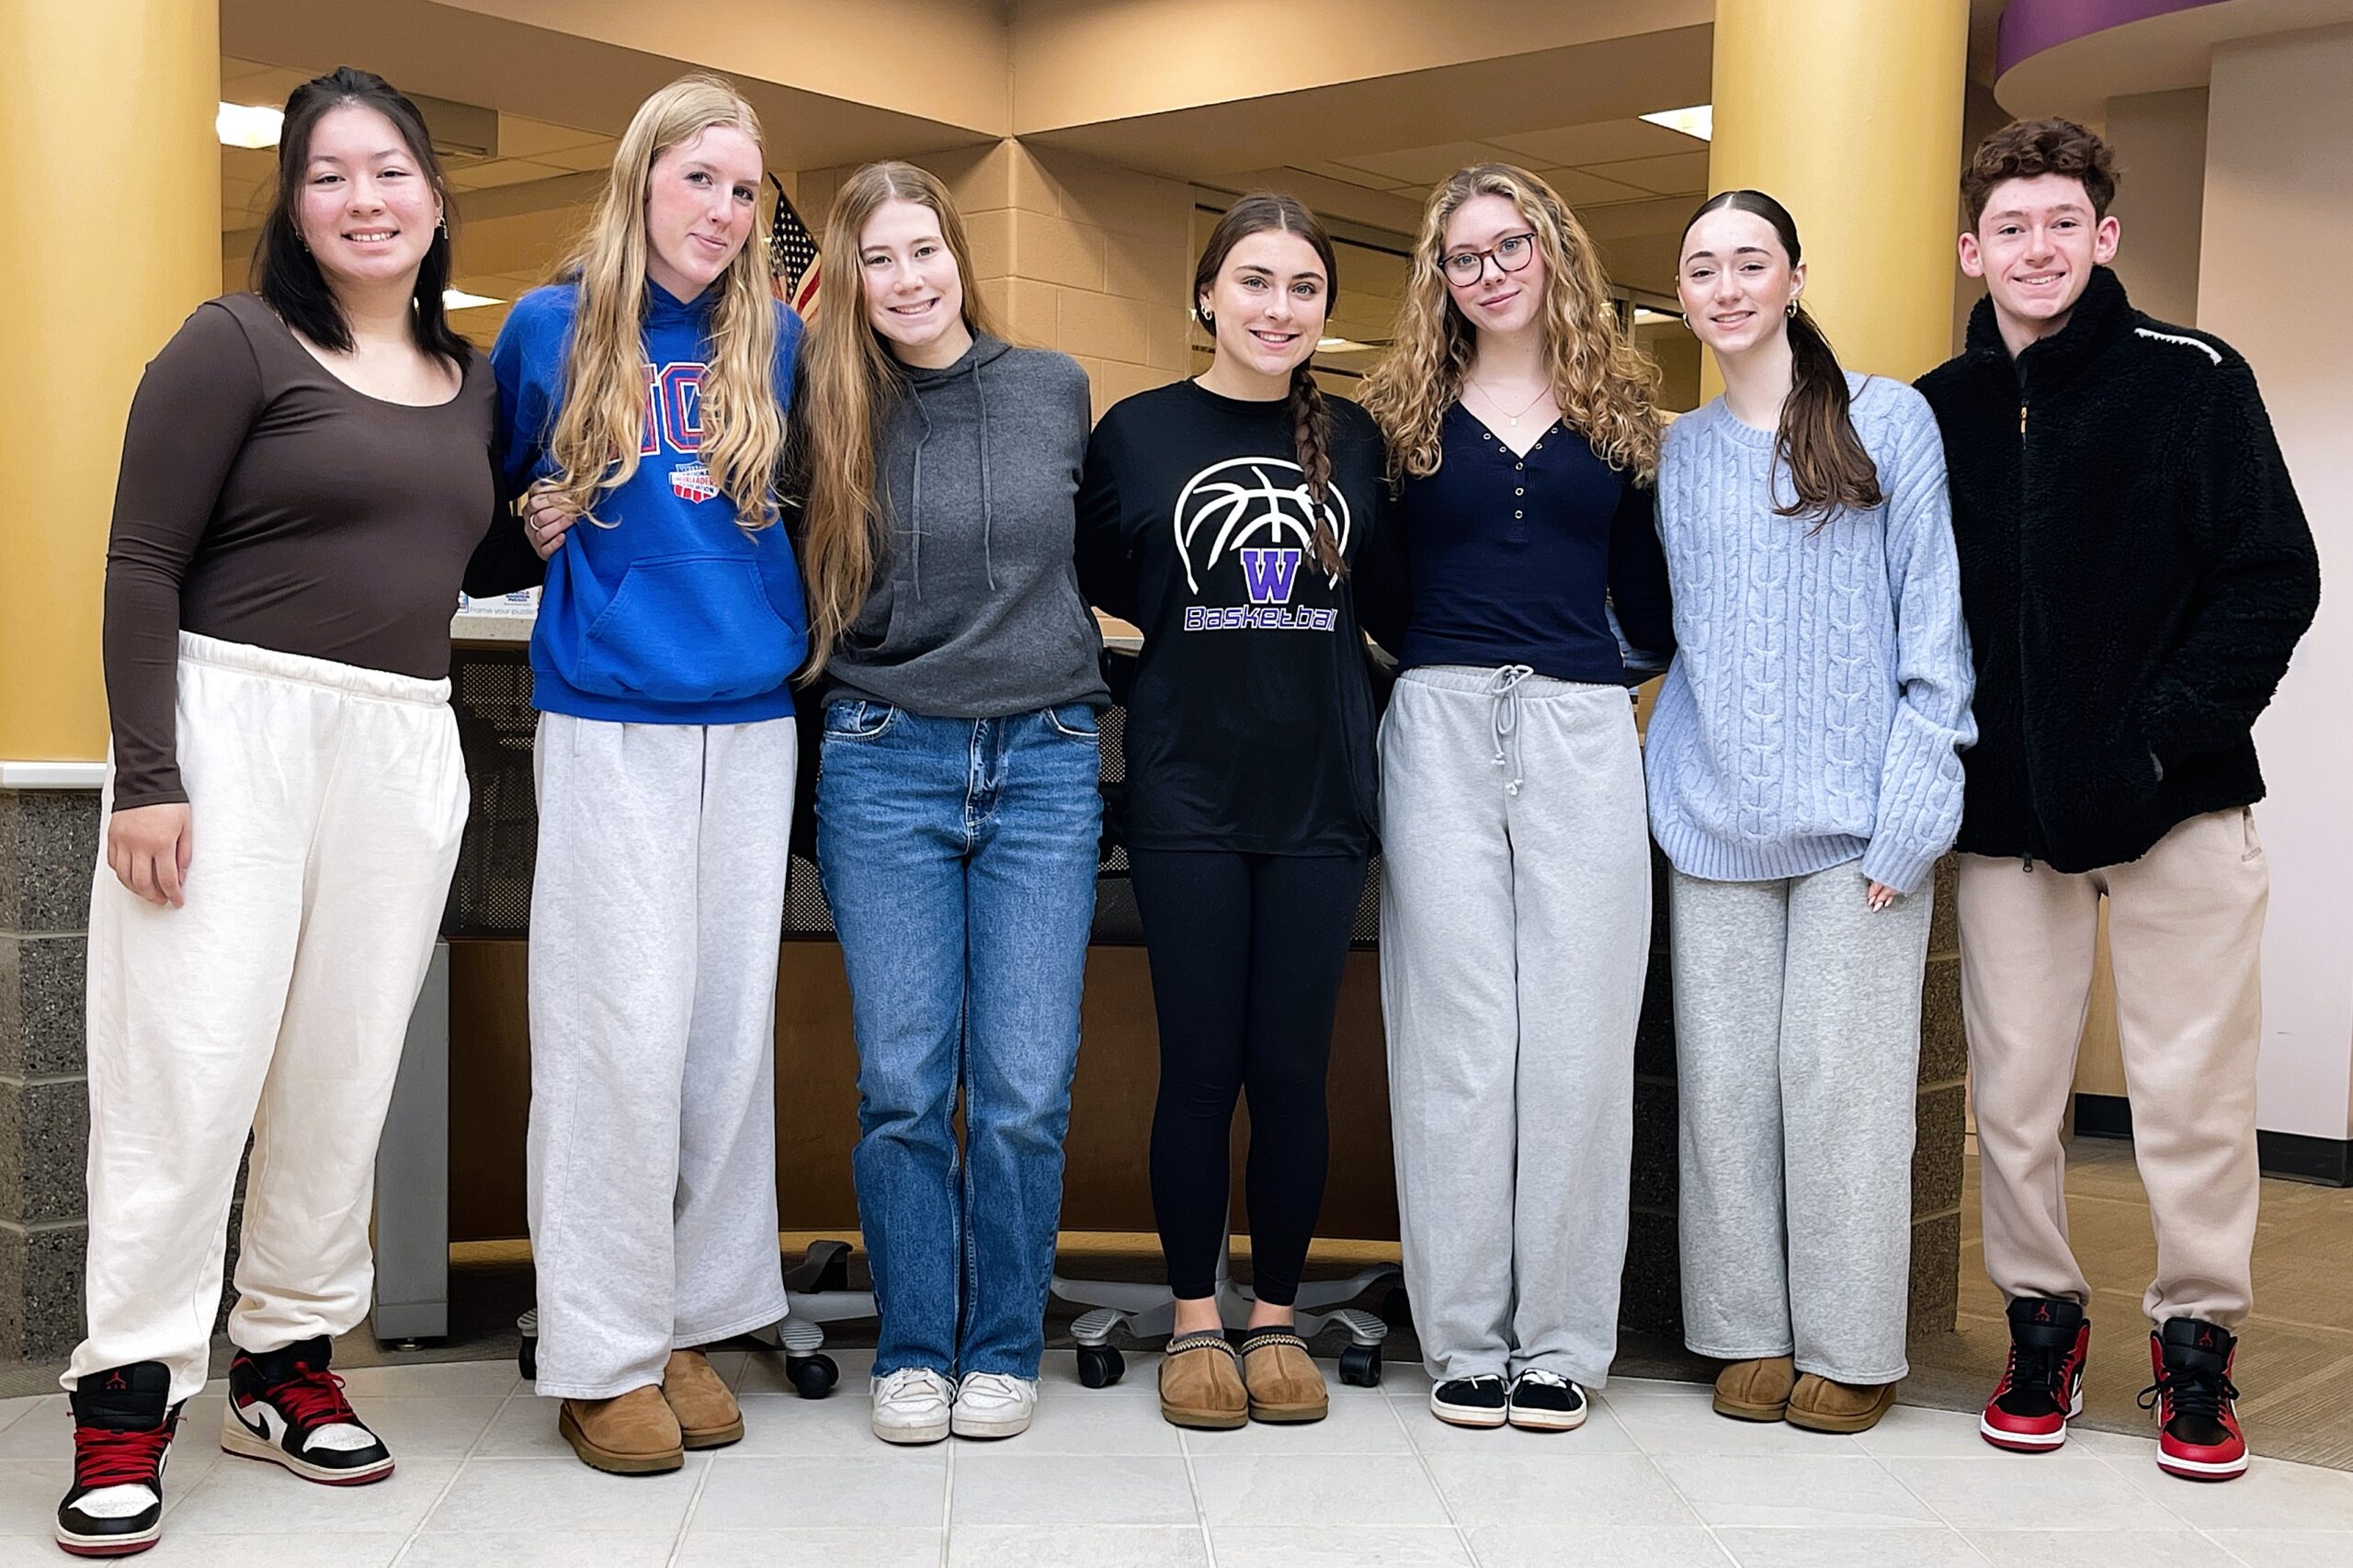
pixel 1360 1365
pixel 1099 1366
pixel 526 1357
pixel 813 1377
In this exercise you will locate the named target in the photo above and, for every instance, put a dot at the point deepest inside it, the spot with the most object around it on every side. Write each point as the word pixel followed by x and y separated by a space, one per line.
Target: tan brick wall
pixel 1067 253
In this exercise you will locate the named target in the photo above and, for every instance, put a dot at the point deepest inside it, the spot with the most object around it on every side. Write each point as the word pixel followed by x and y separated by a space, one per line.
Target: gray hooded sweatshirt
pixel 977 612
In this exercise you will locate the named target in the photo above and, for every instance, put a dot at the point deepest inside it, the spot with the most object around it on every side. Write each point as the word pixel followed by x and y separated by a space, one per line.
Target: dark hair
pixel 2025 149
pixel 1828 466
pixel 1259 212
pixel 285 272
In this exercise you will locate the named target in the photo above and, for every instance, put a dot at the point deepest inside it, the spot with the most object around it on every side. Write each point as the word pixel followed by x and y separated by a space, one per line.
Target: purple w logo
pixel 1268 575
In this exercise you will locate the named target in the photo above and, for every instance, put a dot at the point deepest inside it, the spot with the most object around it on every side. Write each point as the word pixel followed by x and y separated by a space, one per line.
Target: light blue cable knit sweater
pixel 1819 697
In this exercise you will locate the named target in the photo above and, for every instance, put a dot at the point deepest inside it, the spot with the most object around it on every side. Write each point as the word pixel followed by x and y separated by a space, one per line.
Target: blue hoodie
pixel 672 615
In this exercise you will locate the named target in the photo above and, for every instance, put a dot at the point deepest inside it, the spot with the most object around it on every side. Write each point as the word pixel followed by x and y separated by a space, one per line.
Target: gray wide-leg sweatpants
pixel 1797 1028
pixel 656 910
pixel 1515 927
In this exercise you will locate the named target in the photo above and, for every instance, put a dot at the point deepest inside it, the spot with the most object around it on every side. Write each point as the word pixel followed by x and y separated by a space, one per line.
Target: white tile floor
pixel 1654 1480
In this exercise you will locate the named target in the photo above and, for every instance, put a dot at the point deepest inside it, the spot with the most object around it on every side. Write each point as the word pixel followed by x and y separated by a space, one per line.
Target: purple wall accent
pixel 2030 26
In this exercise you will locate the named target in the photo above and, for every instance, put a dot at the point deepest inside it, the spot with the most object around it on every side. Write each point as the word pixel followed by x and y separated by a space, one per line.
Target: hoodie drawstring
pixel 988 507
pixel 914 501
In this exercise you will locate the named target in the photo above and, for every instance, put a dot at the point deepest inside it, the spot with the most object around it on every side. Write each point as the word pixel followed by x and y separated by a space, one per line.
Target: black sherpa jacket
pixel 2134 569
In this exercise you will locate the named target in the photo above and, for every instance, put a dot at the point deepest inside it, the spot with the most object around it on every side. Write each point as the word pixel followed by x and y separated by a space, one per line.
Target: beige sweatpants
pixel 326 803
pixel 2185 927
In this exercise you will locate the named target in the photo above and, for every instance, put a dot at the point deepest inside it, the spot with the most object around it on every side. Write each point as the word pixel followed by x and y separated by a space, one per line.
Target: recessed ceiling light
pixel 247 125
pixel 459 300
pixel 1698 120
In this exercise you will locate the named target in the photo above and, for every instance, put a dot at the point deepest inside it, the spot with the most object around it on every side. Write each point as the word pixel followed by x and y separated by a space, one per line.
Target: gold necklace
pixel 1497 404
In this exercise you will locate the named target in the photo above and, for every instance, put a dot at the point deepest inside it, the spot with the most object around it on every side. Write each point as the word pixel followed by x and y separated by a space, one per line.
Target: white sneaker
pixel 912 1406
pixel 993 1404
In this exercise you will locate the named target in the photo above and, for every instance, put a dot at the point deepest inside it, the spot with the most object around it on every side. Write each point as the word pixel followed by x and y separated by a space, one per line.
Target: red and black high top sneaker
pixel 2198 1421
pixel 123 1420
pixel 286 1407
pixel 2043 1385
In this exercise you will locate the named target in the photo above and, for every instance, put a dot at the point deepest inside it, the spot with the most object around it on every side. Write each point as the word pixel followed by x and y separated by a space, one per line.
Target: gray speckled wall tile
pixel 1656 1155
pixel 1936 1151
pixel 40 1291
pixel 1944 1047
pixel 41 1006
pixel 49 842
pixel 1936 1275
pixel 44 1146
pixel 1651 1290
pixel 1944 928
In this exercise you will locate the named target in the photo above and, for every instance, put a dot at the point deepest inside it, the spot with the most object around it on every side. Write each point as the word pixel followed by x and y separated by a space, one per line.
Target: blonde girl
pixel 646 392
pixel 1516 907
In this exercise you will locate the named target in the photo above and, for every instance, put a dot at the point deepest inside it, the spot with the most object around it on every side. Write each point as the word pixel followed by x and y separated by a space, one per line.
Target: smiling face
pixel 367 209
pixel 1270 301
pixel 2035 245
pixel 1497 301
pixel 1735 281
pixel 915 295
pixel 701 199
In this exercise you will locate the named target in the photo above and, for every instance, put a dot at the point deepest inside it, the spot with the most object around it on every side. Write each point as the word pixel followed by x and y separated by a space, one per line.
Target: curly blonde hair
pixel 1608 389
pixel 597 431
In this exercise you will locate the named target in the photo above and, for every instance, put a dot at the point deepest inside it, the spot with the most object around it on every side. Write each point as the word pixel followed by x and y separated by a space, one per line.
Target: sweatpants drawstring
pixel 1504 694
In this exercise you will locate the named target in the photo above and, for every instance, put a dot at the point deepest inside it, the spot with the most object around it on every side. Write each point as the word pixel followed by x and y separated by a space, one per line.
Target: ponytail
pixel 1828 466
pixel 1310 425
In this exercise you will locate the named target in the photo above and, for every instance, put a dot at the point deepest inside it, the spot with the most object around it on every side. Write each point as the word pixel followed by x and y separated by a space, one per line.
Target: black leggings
pixel 1246 951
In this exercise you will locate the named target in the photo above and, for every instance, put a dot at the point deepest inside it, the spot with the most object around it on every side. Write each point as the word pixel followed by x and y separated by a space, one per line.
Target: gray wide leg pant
pixel 1514 926
pixel 1797 1027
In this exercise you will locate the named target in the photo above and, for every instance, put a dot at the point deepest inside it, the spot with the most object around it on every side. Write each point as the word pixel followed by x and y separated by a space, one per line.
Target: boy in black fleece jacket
pixel 2135 572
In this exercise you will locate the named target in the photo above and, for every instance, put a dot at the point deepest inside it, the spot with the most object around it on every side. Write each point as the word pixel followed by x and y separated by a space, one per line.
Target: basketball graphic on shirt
pixel 1259 509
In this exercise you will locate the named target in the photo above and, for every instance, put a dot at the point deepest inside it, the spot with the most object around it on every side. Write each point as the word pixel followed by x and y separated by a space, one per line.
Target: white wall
pixel 2279 216
pixel 2160 142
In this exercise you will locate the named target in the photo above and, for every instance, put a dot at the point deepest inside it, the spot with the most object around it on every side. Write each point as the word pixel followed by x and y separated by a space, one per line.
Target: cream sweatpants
pixel 2185 930
pixel 656 910
pixel 326 803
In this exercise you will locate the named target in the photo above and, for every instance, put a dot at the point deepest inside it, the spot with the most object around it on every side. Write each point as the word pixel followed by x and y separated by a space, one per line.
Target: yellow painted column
pixel 110 182
pixel 1848 111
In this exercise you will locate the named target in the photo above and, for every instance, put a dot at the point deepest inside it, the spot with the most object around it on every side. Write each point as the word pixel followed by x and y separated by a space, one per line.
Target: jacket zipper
pixel 2025 862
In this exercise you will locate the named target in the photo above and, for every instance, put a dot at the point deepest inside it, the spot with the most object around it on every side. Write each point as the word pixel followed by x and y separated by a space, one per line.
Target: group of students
pixel 907 519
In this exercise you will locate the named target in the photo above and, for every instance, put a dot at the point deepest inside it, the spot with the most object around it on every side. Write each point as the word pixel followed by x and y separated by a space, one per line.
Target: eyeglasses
pixel 1512 253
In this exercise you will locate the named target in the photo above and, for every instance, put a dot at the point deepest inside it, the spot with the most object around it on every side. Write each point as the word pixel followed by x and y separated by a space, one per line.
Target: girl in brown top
pixel 305 474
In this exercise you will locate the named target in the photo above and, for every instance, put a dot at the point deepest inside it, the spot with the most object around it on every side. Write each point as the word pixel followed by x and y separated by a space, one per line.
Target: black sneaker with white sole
pixel 123 1421
pixel 1471 1401
pixel 1546 1402
pixel 286 1406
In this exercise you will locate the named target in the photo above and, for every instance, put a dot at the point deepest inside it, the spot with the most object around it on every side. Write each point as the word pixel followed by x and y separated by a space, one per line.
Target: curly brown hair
pixel 2025 149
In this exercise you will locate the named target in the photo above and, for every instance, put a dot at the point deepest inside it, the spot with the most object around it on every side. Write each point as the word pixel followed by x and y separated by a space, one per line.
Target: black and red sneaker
pixel 2198 1421
pixel 286 1407
pixel 2042 1387
pixel 123 1420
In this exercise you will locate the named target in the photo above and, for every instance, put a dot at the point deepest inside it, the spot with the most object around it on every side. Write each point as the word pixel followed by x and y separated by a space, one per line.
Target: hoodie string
pixel 988 505
pixel 915 502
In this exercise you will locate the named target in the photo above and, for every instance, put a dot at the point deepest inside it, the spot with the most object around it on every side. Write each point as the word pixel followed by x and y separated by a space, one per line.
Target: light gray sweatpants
pixel 656 911
pixel 1797 1030
pixel 1515 921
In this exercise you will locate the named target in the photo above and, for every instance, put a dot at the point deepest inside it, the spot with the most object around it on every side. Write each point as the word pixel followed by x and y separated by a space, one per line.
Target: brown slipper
pixel 1282 1380
pixel 1821 1405
pixel 708 1415
pixel 1757 1390
pixel 1200 1383
pixel 631 1434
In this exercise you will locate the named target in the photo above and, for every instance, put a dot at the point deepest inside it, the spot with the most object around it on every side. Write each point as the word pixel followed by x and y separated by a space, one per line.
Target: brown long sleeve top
pixel 264 501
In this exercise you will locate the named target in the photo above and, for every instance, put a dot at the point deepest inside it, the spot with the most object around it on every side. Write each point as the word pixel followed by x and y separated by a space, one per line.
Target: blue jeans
pixel 959 857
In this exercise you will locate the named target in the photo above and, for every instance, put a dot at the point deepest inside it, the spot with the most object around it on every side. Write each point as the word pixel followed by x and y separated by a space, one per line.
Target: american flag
pixel 793 256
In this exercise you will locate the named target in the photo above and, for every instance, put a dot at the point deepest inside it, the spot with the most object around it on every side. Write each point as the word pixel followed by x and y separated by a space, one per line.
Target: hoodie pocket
pixel 688 628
